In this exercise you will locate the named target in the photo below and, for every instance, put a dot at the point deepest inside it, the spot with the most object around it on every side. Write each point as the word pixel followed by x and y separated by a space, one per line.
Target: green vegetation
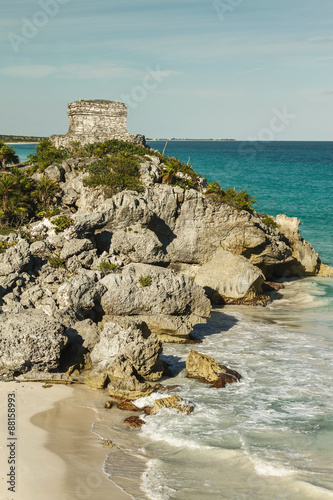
pixel 6 230
pixel 268 221
pixel 7 155
pixel 22 199
pixel 107 267
pixel 54 260
pixel 46 191
pixel 61 223
pixel 239 199
pixel 4 246
pixel 118 173
pixel 46 155
pixel 145 280
pixel 116 167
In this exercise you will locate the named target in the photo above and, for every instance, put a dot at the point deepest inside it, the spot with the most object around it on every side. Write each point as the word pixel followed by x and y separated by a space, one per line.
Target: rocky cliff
pixel 119 270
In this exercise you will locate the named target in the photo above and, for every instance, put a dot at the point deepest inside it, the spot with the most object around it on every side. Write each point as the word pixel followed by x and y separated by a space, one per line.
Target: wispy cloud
pixel 28 71
pixel 328 91
pixel 199 93
pixel 78 71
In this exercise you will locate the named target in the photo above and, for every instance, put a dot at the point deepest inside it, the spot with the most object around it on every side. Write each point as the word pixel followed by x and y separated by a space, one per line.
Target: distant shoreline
pixel 22 143
pixel 190 140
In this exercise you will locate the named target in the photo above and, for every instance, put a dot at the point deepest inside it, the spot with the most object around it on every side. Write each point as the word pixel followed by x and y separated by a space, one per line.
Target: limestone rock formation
pixel 80 292
pixel 30 341
pixel 123 359
pixel 307 261
pixel 96 121
pixel 227 277
pixel 172 402
pixel 209 370
pixel 168 302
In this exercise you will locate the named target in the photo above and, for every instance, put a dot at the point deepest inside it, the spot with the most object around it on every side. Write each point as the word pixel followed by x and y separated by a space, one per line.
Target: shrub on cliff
pixel 118 173
pixel 46 155
pixel 239 199
pixel 7 155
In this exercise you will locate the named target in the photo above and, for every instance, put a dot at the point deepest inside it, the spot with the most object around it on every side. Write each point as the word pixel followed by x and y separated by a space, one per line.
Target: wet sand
pixel 57 455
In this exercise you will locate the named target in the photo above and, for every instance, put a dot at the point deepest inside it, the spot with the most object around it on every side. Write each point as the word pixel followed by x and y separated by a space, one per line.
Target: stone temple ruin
pixel 96 121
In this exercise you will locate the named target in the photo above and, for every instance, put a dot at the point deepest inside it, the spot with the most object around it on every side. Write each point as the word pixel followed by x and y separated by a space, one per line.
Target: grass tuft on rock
pixel 145 280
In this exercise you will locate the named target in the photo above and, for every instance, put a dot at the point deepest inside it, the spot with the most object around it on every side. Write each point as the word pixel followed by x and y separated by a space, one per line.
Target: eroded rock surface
pixel 30 341
pixel 209 370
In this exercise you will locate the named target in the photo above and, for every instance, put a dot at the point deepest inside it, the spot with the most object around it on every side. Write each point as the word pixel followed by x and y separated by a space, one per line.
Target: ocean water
pixel 24 150
pixel 271 435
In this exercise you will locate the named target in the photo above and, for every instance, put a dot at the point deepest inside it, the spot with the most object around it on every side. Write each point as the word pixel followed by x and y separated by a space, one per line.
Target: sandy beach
pixel 57 457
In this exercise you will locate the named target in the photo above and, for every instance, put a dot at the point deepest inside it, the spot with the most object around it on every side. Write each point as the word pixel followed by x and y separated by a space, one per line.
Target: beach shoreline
pixel 57 455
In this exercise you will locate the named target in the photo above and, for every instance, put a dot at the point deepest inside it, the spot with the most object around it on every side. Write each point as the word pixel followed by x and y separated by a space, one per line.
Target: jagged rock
pixel 141 350
pixel 30 340
pixel 227 276
pixel 55 173
pixel 33 294
pixel 174 402
pixel 325 271
pixel 41 248
pixel 75 247
pixel 121 359
pixel 85 333
pixel 15 258
pixel 170 300
pixel 127 406
pixel 307 260
pixel 80 292
pixel 134 422
pixel 96 379
pixel 209 370
pixel 129 386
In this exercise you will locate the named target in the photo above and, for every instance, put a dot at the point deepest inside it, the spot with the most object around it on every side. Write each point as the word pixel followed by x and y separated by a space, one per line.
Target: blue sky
pixel 258 69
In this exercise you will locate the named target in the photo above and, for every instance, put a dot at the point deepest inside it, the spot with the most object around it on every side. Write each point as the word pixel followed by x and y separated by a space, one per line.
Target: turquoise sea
pixel 271 435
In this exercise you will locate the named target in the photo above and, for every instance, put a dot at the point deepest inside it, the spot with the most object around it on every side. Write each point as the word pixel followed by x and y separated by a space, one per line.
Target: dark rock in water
pixel 175 402
pixel 208 370
pixel 270 286
pixel 134 422
pixel 165 388
pixel 127 406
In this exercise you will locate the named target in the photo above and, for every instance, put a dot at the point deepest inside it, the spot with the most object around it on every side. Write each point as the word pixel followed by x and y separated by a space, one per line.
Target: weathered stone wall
pixel 96 120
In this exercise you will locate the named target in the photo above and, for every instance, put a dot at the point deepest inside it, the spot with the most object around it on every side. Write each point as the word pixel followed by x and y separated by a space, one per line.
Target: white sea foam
pixel 153 482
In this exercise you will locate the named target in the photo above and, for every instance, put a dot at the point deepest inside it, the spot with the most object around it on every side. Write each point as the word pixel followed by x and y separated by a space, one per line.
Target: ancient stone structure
pixel 96 121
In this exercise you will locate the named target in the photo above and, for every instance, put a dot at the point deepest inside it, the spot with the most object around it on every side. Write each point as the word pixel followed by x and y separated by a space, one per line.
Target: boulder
pixel 227 277
pixel 30 341
pixel 115 341
pixel 325 271
pixel 122 359
pixel 75 246
pixel 209 370
pixel 168 302
pixel 172 402
pixel 55 173
pixel 134 422
pixel 15 258
pixel 80 292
